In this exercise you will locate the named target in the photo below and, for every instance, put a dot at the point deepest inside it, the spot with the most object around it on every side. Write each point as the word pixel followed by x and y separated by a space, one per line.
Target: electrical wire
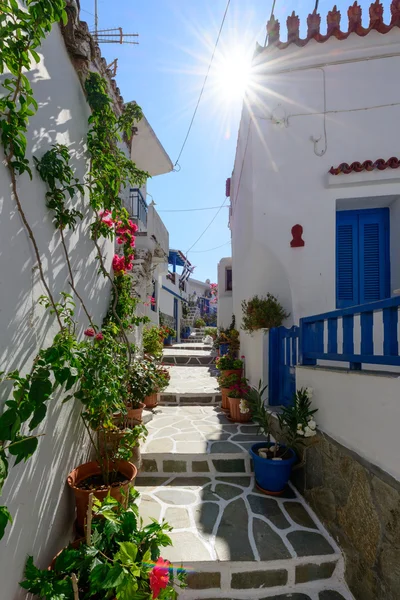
pixel 208 226
pixel 272 12
pixel 187 209
pixel 211 249
pixel 204 84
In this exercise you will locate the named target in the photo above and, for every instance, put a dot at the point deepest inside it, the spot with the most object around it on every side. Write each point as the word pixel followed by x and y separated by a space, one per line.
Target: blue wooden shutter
pixel 347 258
pixel 374 255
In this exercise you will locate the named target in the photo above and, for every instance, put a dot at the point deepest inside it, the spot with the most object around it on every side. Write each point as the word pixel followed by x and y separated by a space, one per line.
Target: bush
pixel 152 343
pixel 199 323
pixel 262 313
pixel 228 363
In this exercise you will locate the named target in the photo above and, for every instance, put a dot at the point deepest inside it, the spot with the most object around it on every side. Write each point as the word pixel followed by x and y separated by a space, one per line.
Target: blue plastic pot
pixel 223 349
pixel 168 341
pixel 271 475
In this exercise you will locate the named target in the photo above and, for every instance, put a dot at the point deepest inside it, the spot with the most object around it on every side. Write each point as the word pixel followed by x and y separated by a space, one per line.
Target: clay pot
pixel 236 415
pixel 151 401
pixel 134 415
pixel 86 470
pixel 237 372
pixel 225 401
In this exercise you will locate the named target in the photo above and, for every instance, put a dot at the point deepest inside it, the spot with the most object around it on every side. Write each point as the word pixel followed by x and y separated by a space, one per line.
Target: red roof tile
pixel 367 165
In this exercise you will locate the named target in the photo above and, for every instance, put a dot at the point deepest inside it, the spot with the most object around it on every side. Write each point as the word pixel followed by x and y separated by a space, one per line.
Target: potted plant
pixel 153 341
pixel 123 442
pixel 199 323
pixel 229 365
pixel 239 408
pixel 102 391
pixel 273 460
pixel 262 313
pixel 161 381
pixel 225 383
pixel 118 558
pixel 167 334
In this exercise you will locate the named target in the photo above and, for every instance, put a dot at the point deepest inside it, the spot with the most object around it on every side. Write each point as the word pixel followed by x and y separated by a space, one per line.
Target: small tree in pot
pixel 273 460
pixel 262 313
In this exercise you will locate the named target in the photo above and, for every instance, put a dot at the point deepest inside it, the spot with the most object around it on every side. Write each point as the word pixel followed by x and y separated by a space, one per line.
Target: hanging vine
pixel 22 31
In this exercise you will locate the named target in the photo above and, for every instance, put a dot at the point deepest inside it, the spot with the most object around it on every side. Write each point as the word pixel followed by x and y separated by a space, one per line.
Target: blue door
pixel 176 317
pixel 283 356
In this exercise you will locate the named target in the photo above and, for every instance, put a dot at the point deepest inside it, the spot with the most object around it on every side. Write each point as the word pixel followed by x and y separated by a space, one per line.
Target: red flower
pixel 99 336
pixel 159 576
pixel 90 332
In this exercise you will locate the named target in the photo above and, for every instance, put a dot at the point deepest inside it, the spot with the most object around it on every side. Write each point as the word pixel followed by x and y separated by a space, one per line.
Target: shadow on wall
pixel 36 492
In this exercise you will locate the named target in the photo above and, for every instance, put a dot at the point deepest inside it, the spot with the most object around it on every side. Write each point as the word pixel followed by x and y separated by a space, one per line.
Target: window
pixel 362 256
pixel 228 285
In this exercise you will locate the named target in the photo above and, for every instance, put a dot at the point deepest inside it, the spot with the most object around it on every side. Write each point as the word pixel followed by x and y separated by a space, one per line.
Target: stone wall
pixel 360 505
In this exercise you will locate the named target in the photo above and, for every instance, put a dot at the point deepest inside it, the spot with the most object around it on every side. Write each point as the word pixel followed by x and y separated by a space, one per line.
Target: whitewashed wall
pixel 359 410
pixel 279 181
pixel 254 348
pixel 36 492
pixel 225 300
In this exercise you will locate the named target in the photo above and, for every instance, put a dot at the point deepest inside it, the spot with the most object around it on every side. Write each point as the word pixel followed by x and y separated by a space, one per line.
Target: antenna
pixel 111 36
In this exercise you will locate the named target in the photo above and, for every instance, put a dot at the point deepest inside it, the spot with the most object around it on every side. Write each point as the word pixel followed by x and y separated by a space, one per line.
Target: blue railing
pixel 319 339
pixel 138 205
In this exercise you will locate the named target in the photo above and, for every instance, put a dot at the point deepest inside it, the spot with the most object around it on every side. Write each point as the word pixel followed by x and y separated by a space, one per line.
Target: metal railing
pixel 138 206
pixel 371 339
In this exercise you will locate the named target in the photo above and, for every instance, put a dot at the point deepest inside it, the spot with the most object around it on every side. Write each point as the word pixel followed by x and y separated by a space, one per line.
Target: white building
pixel 225 291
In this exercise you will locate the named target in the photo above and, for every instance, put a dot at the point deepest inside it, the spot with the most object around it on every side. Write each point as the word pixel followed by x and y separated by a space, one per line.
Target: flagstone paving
pixel 235 542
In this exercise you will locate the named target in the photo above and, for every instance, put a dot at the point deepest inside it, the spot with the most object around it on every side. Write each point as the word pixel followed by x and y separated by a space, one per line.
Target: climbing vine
pixel 62 364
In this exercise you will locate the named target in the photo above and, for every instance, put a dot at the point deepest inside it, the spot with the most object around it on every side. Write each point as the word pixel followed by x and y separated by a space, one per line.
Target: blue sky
pixel 164 74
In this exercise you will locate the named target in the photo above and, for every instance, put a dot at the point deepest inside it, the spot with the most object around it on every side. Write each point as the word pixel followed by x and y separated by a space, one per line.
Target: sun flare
pixel 232 74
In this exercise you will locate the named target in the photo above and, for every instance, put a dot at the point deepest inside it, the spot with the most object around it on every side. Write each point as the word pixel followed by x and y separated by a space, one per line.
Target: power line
pixel 208 226
pixel 210 249
pixel 272 12
pixel 187 209
pixel 204 83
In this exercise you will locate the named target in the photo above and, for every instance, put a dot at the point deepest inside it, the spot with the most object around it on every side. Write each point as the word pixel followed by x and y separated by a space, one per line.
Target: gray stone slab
pixel 270 509
pixel 259 579
pixel 330 595
pixel 189 436
pixel 149 465
pixel 242 481
pixel 163 445
pixel 308 543
pixel 165 432
pixel 177 517
pixel 232 542
pixel 313 572
pixel 149 482
pixel 190 481
pixel 299 514
pixel 269 544
pixel 175 496
pixel 227 492
pixel 234 465
pixel 246 438
pixel 208 496
pixel 200 466
pixel 203 580
pixel 224 448
pixel 205 516
pixel 174 466
pixel 217 436
pixel 288 597
pixel 287 493
pixel 191 447
pixel 186 548
pixel 149 509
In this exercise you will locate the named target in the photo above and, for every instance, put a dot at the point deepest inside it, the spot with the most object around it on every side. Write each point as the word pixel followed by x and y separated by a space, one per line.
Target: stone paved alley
pixel 236 542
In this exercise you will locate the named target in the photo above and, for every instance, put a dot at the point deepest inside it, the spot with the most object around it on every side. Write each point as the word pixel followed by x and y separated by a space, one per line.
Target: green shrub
pixel 262 313
pixel 152 343
pixel 199 323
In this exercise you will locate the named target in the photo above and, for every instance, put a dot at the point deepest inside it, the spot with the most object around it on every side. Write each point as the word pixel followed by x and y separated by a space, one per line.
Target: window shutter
pixel 347 257
pixel 374 255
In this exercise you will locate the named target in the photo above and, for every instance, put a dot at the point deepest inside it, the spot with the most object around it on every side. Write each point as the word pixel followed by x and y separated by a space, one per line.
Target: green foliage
pixel 146 377
pixel 296 421
pixel 152 341
pixel 262 313
pixel 199 323
pixel 125 304
pixel 212 331
pixel 119 562
pixel 226 381
pixel 229 363
pixel 262 417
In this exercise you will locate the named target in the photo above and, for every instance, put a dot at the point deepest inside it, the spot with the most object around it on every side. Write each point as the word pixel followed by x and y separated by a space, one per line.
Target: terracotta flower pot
pixel 119 492
pixel 134 415
pixel 225 401
pixel 151 401
pixel 237 372
pixel 236 415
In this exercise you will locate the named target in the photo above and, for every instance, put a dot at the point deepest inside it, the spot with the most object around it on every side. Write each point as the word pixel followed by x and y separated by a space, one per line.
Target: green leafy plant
pixel 119 559
pixel 166 332
pixel 226 381
pixel 239 389
pixel 262 313
pixel 199 323
pixel 211 331
pixel 152 341
pixel 229 363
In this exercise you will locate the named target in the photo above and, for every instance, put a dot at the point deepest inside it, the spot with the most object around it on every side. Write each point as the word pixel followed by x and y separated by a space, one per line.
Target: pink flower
pixel 106 218
pixel 90 332
pixel 159 576
pixel 99 336
pixel 242 357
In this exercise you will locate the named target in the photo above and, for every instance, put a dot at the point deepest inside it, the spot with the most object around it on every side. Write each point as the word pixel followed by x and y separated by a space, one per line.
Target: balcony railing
pixel 360 334
pixel 137 206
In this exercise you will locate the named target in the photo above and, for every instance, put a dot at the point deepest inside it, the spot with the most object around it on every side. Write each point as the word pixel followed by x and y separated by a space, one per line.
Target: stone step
pixel 237 543
pixel 191 385
pixel 197 439
pixel 191 346
pixel 183 360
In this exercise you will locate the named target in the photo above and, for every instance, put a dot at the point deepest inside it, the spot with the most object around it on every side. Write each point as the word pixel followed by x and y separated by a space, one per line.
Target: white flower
pixel 299 426
pixel 244 407
pixel 312 424
pixel 309 432
pixel 300 432
pixel 309 392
